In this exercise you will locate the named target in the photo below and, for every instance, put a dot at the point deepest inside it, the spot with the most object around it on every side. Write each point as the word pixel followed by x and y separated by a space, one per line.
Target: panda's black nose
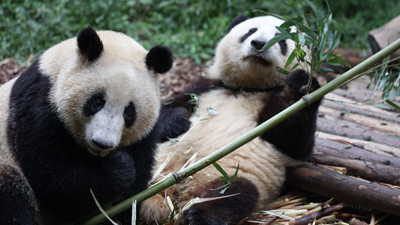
pixel 102 145
pixel 257 44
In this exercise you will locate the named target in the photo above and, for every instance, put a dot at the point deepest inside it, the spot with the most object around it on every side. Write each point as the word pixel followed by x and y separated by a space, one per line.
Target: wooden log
pixel 344 188
pixel 336 149
pixel 382 36
pixel 370 146
pixel 364 169
pixel 331 125
pixel 358 92
pixel 380 125
pixel 335 101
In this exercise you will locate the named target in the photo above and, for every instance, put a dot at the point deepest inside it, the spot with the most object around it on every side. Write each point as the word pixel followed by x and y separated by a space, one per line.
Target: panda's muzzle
pixel 100 145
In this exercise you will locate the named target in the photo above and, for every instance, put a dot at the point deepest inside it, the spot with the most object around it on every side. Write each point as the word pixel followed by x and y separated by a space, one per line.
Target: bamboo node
pixel 177 178
pixel 307 100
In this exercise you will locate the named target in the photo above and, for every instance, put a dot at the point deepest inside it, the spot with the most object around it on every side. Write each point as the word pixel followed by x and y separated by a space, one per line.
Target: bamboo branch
pixel 262 128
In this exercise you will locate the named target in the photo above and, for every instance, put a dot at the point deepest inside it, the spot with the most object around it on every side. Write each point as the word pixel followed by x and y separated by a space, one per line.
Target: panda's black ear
pixel 159 59
pixel 89 44
pixel 236 21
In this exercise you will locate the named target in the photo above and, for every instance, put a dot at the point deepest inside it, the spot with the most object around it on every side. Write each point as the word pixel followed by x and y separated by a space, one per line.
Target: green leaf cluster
pixel 225 177
pixel 387 80
pixel 315 34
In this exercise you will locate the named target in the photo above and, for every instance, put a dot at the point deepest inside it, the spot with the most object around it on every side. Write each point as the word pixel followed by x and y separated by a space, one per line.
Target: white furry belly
pixel 258 160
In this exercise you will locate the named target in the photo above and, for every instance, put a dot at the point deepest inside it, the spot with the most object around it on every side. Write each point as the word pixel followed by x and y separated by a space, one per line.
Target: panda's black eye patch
pixel 94 104
pixel 248 34
pixel 283 45
pixel 253 30
pixel 130 114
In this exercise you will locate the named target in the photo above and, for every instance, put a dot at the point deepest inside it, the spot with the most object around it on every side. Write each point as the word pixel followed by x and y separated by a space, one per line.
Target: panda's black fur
pixel 51 178
pixel 243 86
pixel 58 170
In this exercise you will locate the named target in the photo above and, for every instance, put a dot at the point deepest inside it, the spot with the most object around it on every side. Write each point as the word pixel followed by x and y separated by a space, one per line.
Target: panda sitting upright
pixel 81 117
pixel 243 89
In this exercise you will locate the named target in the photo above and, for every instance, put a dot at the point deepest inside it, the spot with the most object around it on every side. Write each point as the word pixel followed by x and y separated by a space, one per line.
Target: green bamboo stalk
pixel 262 128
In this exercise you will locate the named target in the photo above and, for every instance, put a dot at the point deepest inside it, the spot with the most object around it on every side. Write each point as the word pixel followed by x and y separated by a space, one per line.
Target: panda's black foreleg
pixel 18 205
pixel 229 208
pixel 144 163
pixel 175 112
pixel 295 135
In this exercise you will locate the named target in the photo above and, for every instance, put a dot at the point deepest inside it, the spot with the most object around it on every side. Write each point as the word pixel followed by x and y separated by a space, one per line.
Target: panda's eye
pixel 130 114
pixel 94 104
pixel 98 102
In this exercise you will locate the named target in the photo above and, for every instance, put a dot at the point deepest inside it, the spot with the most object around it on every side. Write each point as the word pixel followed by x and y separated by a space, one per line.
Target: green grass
pixel 191 28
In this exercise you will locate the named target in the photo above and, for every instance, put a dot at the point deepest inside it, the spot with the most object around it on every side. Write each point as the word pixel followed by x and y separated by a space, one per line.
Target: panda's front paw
pixel 173 122
pixel 298 83
pixel 197 216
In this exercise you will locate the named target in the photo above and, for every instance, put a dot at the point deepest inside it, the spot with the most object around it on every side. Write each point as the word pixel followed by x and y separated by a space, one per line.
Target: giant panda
pixel 243 89
pixel 82 117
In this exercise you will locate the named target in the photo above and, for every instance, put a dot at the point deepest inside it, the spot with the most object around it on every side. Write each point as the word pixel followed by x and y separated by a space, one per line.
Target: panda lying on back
pixel 245 89
pixel 81 117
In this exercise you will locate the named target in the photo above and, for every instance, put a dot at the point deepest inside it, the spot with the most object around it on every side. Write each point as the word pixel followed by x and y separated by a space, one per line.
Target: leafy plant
pixel 225 177
pixel 315 35
pixel 387 80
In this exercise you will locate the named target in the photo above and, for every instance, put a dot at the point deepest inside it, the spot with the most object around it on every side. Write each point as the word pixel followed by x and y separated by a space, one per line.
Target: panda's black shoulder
pixel 31 76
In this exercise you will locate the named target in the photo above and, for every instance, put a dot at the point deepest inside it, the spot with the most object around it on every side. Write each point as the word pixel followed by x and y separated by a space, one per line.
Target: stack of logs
pixel 359 143
pixel 361 146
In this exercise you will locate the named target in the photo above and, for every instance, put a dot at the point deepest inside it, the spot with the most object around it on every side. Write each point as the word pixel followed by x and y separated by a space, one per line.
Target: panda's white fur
pixel 241 86
pixel 120 71
pixel 248 74
pixel 57 143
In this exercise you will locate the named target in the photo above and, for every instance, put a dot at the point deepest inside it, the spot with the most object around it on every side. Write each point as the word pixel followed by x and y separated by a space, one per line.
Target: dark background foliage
pixel 191 28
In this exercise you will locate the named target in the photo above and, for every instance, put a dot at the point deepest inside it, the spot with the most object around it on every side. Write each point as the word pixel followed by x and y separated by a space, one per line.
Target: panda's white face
pixel 238 60
pixel 105 103
pixel 120 106
pixel 253 34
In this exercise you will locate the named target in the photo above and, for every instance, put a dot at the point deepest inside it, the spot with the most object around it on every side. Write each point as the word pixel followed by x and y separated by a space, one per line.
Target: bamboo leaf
pixel 173 140
pixel 295 66
pixel 282 71
pixel 271 42
pixel 326 69
pixel 290 58
pixel 292 22
pixel 224 190
pixel 394 105
pixel 302 40
pixel 307 30
pixel 225 176
pixel 286 32
pixel 233 178
pixel 212 111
